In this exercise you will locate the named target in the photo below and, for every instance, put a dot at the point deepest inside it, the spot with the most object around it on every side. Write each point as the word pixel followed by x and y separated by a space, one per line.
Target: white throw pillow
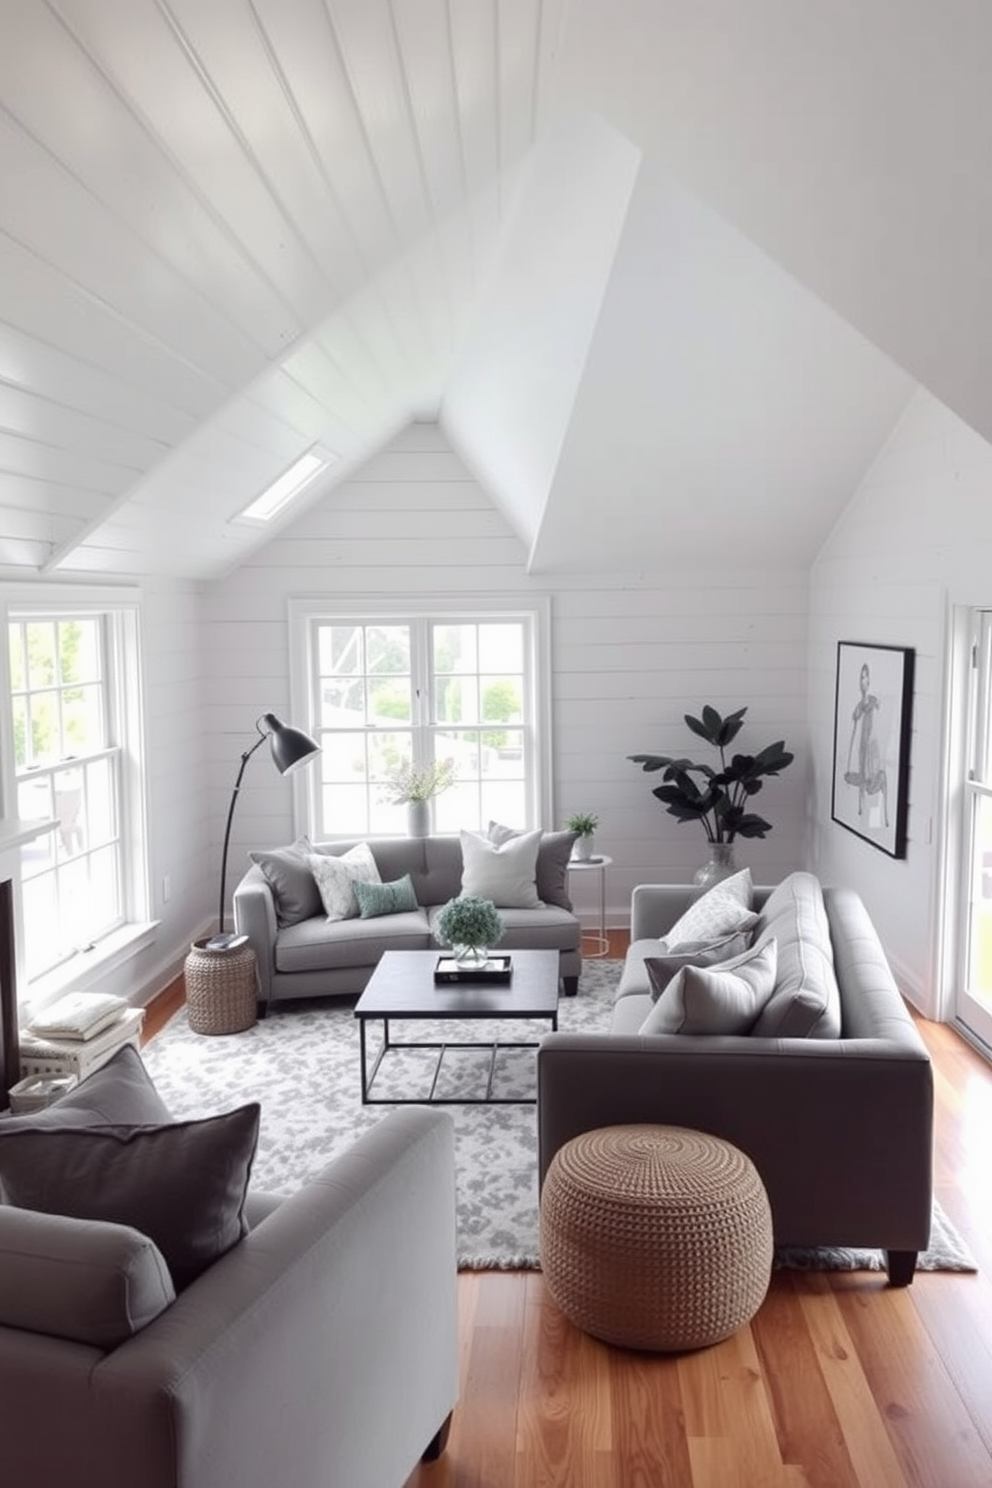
pixel 335 875
pixel 717 999
pixel 505 872
pixel 721 910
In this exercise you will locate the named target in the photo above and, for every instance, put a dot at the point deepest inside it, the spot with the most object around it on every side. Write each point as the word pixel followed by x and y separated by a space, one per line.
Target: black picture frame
pixel 873 706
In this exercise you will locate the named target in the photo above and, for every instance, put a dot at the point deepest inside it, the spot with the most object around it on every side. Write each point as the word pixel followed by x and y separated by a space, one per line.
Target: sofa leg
pixel 438 1441
pixel 571 985
pixel 901 1266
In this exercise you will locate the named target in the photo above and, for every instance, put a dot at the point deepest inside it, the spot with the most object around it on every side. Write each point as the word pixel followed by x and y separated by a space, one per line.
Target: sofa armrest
pixel 809 1112
pixel 255 916
pixel 321 1349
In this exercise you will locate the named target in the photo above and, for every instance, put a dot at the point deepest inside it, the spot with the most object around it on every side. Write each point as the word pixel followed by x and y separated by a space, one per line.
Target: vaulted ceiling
pixel 651 264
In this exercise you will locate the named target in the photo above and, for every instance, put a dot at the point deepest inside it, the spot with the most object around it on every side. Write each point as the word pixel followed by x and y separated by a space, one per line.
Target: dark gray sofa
pixel 315 957
pixel 840 1128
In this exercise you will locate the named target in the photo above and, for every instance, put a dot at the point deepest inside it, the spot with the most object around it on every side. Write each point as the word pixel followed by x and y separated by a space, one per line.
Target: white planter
pixel 582 851
pixel 418 818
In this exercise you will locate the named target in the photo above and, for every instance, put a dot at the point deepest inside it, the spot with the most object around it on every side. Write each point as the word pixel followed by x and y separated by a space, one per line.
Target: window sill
pixel 88 966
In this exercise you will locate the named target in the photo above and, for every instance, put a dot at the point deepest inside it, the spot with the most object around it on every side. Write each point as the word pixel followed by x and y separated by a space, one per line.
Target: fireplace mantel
pixel 13 836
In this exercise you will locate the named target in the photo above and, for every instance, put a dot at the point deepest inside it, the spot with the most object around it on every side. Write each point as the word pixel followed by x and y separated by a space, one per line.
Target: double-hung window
pixel 72 678
pixel 389 691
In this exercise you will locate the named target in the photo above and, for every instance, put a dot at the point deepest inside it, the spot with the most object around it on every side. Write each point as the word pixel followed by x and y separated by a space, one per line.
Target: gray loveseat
pixel 317 1349
pixel 301 953
pixel 840 1127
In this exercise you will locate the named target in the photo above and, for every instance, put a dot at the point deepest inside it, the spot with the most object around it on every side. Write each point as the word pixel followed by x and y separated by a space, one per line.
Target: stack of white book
pixel 78 1033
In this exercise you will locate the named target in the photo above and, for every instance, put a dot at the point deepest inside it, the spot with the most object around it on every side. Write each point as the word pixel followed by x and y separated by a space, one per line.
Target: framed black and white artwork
pixel 872 721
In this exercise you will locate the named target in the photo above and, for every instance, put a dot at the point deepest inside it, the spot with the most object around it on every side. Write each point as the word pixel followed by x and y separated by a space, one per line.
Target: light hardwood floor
pixel 838 1382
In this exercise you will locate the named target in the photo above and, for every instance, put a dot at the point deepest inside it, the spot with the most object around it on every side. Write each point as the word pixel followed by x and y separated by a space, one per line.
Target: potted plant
pixel 721 797
pixel 416 786
pixel 470 926
pixel 585 824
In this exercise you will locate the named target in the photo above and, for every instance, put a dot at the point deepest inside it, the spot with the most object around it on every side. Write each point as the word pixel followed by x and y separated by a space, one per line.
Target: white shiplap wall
pixel 631 654
pixel 915 541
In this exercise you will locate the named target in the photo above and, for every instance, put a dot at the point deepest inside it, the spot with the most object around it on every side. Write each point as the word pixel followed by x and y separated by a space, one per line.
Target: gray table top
pixel 403 986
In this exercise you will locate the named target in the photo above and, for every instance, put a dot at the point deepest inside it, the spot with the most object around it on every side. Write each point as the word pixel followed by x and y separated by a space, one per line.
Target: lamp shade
pixel 291 747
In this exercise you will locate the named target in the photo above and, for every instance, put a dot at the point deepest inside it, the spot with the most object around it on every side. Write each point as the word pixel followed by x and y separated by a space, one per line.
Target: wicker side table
pixel 221 989
pixel 655 1237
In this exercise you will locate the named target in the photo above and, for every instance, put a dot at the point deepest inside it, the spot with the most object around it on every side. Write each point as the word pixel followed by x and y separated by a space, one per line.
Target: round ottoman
pixel 221 988
pixel 655 1237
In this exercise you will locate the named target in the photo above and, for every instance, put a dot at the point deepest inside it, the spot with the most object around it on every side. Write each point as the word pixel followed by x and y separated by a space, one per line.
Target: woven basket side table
pixel 655 1237
pixel 221 989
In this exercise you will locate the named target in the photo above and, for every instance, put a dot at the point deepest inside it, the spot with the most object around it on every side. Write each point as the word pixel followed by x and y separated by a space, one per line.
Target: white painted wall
pixel 631 654
pixel 915 541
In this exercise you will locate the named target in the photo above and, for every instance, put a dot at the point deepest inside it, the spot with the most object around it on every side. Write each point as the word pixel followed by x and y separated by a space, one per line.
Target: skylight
pixel 288 485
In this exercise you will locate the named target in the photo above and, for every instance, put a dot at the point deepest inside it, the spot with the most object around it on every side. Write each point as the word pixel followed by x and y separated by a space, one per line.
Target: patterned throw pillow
pixel 717 999
pixel 377 899
pixel 724 908
pixel 336 875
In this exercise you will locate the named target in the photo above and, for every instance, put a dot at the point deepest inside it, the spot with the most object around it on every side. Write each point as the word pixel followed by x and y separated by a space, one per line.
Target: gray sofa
pixel 840 1126
pixel 318 1349
pixel 307 955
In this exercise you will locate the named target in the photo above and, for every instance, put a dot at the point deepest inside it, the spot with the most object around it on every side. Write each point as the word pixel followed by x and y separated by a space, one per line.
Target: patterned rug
pixel 302 1064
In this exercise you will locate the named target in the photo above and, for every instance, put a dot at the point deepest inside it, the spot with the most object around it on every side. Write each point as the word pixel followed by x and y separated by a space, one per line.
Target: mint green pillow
pixel 375 899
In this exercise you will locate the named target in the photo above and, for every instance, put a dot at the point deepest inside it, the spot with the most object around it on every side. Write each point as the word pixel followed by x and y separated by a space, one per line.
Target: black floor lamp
pixel 291 748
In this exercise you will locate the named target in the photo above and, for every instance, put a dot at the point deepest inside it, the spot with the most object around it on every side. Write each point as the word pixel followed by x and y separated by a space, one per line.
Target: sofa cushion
pixel 504 872
pixel 288 874
pixel 806 1000
pixel 722 909
pixel 119 1092
pixel 325 945
pixel 336 877
pixel 553 856
pixel 82 1279
pixel 663 967
pixel 724 999
pixel 375 899
pixel 182 1184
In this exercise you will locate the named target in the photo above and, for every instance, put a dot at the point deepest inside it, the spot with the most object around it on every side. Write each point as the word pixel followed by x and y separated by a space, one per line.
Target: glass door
pixel 974 999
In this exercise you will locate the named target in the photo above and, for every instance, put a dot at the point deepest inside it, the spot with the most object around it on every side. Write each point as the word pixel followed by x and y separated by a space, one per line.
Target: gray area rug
pixel 302 1064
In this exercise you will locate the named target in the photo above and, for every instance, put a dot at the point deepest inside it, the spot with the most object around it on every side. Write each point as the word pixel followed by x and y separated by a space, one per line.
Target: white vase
pixel 582 851
pixel 418 818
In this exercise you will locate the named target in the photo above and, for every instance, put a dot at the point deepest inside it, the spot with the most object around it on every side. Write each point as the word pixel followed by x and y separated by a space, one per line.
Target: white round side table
pixel 599 938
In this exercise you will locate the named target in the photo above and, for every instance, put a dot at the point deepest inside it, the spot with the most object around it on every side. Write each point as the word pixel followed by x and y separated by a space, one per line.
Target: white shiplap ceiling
pixel 231 229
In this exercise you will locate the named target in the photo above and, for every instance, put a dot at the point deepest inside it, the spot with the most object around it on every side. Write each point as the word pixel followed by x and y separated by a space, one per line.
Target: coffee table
pixel 402 986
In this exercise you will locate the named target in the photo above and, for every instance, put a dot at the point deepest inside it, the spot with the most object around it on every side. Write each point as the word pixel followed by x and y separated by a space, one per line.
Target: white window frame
pixel 473 608
pixel 121 609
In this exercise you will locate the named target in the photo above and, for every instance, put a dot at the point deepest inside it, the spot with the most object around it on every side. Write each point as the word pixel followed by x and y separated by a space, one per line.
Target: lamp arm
pixel 246 756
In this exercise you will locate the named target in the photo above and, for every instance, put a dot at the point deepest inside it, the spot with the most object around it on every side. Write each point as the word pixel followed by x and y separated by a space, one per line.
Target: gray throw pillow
pixel 377 899
pixel 294 888
pixel 82 1279
pixel 723 999
pixel 183 1185
pixel 663 967
pixel 553 854
pixel 119 1093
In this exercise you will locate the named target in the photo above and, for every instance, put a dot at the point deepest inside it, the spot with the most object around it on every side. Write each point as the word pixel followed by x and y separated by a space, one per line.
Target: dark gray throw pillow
pixel 377 899
pixel 183 1185
pixel 293 886
pixel 665 966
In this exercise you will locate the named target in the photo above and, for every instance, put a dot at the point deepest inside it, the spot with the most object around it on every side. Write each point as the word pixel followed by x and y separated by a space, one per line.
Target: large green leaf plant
pixel 720 798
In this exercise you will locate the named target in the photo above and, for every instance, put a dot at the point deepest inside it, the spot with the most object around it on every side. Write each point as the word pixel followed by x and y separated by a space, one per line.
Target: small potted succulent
pixel 470 926
pixel 585 823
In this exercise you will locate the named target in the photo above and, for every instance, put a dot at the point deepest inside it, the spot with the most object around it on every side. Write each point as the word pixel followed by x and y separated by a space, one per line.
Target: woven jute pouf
pixel 221 989
pixel 655 1237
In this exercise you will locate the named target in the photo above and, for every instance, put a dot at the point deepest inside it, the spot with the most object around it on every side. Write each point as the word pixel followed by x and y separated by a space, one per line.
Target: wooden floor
pixel 839 1381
